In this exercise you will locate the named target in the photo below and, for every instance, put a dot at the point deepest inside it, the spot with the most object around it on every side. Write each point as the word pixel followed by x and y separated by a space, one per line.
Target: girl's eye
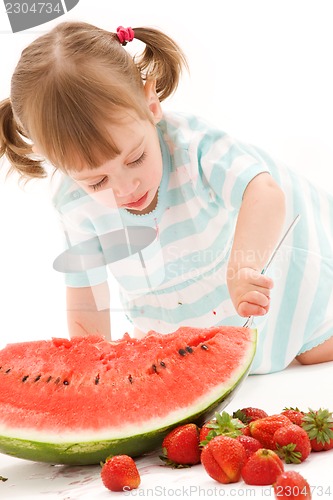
pixel 99 184
pixel 140 160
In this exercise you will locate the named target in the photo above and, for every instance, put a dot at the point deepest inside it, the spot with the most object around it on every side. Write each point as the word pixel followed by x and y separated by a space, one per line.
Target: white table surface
pixel 302 386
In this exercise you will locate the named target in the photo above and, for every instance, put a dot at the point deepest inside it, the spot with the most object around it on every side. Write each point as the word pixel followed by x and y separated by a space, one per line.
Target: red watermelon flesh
pixel 75 401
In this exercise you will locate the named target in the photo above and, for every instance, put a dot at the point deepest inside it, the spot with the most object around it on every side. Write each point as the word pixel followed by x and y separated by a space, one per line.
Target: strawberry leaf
pixel 288 453
pixel 211 434
pixel 241 416
pixel 319 425
pixel 172 464
pixel 224 425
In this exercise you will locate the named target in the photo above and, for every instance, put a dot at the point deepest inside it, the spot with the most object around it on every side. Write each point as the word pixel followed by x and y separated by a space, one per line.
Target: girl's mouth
pixel 138 203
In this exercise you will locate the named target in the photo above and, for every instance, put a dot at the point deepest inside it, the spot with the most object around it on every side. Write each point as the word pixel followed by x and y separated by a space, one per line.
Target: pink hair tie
pixel 125 34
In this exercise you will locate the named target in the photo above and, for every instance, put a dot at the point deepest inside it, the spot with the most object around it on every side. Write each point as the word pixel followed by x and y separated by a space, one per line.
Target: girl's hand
pixel 250 291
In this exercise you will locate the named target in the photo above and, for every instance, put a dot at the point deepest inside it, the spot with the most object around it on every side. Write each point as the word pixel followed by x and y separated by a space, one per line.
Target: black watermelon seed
pixel 25 378
pixel 182 352
pixel 204 347
pixel 37 378
pixel 162 364
pixel 130 378
pixel 189 349
pixel 97 380
pixel 154 367
pixel 65 382
pixel 7 371
pixel 48 380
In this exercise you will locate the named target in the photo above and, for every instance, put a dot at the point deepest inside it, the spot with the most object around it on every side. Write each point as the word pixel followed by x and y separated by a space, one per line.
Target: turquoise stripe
pixel 185 265
pixel 168 129
pixel 181 312
pixel 138 284
pixel 208 141
pixel 180 158
pixel 217 180
pixel 190 227
pixel 197 124
pixel 288 308
pixel 294 280
pixel 318 311
pixel 177 196
pixel 79 280
pixel 218 172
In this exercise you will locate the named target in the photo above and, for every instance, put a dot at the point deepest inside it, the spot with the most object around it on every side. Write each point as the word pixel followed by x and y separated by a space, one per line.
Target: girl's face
pixel 131 179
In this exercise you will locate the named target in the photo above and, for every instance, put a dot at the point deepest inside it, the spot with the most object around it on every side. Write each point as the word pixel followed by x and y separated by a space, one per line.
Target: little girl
pixel 184 216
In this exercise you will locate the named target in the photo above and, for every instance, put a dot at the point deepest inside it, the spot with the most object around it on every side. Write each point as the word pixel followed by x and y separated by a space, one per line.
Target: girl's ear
pixel 153 100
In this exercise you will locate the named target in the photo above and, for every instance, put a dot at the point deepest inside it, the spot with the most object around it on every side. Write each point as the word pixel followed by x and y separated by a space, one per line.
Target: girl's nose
pixel 126 188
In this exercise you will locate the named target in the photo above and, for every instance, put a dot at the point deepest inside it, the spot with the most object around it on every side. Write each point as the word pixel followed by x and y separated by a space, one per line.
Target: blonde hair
pixel 69 84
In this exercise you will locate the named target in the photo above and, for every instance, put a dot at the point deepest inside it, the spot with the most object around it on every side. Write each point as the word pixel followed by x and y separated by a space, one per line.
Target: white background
pixel 260 69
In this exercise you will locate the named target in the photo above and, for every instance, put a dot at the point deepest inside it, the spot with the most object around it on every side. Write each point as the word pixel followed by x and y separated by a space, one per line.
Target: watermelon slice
pixel 78 401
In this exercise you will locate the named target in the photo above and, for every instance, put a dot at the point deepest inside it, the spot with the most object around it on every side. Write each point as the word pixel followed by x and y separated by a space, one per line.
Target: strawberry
pixel 222 424
pixel 262 468
pixel 294 414
pixel 223 458
pixel 180 447
pixel 263 429
pixel 204 431
pixel 119 473
pixel 292 444
pixel 246 430
pixel 319 427
pixel 250 444
pixel 291 486
pixel 248 414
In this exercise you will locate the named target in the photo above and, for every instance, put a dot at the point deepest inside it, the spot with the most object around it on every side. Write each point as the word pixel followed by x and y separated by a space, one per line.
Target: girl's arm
pixel 88 310
pixel 258 229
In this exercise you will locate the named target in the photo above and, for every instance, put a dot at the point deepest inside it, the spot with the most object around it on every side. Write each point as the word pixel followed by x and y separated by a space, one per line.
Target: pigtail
pixel 15 146
pixel 162 60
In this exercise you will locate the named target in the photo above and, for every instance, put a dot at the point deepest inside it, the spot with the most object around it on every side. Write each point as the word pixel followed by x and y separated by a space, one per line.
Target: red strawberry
pixel 250 444
pixel 181 446
pixel 263 429
pixel 294 414
pixel 248 414
pixel 291 486
pixel 222 424
pixel 263 467
pixel 119 473
pixel 292 444
pixel 319 427
pixel 246 430
pixel 204 431
pixel 223 458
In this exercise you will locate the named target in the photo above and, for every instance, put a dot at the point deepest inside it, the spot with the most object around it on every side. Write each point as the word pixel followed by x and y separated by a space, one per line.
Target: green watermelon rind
pixel 94 452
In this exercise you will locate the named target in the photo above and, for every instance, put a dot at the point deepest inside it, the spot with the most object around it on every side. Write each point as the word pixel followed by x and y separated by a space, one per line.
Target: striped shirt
pixel 171 263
